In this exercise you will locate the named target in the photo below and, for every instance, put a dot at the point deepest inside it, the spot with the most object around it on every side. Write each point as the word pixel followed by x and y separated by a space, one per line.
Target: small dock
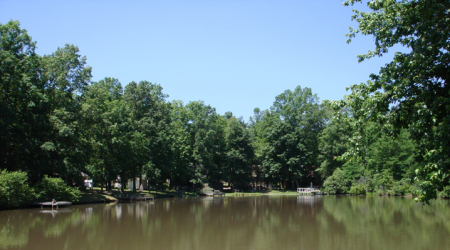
pixel 53 204
pixel 215 193
pixel 308 191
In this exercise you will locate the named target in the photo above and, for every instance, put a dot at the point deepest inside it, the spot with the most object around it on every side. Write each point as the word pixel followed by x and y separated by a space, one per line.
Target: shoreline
pixel 97 197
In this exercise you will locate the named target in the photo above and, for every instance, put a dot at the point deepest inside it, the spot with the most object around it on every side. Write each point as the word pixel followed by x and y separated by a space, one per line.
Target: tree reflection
pixel 329 222
pixel 397 222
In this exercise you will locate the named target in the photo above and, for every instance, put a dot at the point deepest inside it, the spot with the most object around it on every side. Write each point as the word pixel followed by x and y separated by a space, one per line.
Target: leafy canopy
pixel 412 91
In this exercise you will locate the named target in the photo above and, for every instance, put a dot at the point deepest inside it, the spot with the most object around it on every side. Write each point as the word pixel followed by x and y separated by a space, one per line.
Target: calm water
pixel 266 222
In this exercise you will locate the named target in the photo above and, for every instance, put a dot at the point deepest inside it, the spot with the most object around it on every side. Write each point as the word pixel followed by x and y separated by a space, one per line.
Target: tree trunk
pixel 102 177
pixel 140 178
pixel 101 181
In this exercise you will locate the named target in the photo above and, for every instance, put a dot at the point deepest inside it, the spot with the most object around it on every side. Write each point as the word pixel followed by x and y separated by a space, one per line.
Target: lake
pixel 248 222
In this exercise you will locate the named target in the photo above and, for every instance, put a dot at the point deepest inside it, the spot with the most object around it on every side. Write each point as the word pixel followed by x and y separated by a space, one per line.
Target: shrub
pixel 400 188
pixel 336 183
pixel 383 182
pixel 445 193
pixel 14 189
pixel 55 188
pixel 357 189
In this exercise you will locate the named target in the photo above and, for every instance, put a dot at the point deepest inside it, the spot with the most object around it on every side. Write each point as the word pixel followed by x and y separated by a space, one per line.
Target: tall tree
pixel 397 155
pixel 206 139
pixel 65 75
pixel 180 172
pixel 293 139
pixel 260 125
pixel 412 91
pixel 104 116
pixel 239 153
pixel 333 142
pixel 23 109
pixel 148 120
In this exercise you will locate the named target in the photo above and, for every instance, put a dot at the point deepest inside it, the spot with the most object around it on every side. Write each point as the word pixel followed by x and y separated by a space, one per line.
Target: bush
pixel 336 183
pixel 445 193
pixel 14 189
pixel 400 188
pixel 55 188
pixel 357 189
pixel 383 182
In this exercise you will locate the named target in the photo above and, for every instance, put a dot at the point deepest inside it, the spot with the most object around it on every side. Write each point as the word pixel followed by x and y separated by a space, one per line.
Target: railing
pixel 307 190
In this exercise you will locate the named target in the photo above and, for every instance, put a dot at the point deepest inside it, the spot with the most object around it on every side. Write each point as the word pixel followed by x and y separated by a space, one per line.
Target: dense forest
pixel 389 136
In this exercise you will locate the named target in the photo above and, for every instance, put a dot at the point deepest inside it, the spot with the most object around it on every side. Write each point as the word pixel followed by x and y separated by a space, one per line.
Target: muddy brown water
pixel 259 222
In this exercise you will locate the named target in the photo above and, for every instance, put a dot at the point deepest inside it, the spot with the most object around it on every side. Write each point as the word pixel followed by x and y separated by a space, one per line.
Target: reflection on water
pixel 266 222
pixel 55 211
pixel 308 199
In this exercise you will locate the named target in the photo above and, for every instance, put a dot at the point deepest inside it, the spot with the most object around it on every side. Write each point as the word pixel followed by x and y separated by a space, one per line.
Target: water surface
pixel 260 222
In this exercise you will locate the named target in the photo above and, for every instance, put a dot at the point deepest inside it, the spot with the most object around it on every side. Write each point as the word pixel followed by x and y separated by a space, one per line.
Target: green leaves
pixel 337 183
pixel 22 102
pixel 286 137
pixel 412 91
pixel 14 189
pixel 66 71
pixel 55 188
pixel 105 119
pixel 239 153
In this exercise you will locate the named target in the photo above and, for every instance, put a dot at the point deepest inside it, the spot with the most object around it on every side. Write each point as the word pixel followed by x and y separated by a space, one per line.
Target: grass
pixel 265 192
pixel 95 197
pixel 157 194
pixel 98 196
pixel 281 192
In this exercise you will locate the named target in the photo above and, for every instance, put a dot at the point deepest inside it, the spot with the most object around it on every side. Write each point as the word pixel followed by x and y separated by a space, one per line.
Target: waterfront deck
pixel 215 193
pixel 52 204
pixel 308 191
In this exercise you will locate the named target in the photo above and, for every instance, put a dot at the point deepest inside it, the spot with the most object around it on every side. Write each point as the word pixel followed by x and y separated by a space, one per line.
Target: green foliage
pixel 401 188
pixel 53 120
pixel 395 154
pixel 333 142
pixel 147 122
pixel 14 189
pixel 445 193
pixel 238 153
pixel 337 183
pixel 290 135
pixel 39 104
pixel 206 132
pixel 65 76
pixel 411 92
pixel 23 111
pixel 105 118
pixel 55 188
pixel 383 182
pixel 357 189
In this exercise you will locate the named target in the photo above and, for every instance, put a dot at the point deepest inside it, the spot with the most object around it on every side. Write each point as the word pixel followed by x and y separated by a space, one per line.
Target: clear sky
pixel 234 55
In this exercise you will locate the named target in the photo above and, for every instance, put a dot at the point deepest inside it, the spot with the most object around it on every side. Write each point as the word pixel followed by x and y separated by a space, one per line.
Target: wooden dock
pixel 308 191
pixel 215 193
pixel 52 204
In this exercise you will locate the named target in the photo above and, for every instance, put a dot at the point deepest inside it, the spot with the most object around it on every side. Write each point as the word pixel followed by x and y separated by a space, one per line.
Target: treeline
pixel 56 122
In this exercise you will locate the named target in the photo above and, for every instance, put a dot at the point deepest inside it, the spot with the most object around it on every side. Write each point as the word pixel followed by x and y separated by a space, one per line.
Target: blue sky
pixel 233 55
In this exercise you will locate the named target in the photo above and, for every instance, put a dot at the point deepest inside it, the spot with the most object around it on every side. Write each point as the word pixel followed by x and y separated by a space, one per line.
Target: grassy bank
pixel 265 192
pixel 87 198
